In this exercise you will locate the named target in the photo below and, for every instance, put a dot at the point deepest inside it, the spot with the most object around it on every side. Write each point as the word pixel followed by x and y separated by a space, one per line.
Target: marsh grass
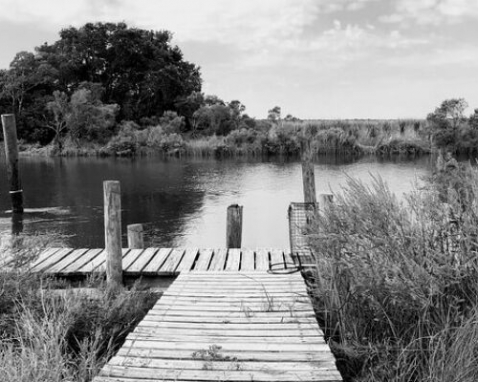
pixel 50 336
pixel 396 284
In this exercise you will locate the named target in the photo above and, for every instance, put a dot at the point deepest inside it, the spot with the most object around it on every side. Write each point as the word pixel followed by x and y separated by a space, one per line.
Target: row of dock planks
pixel 226 326
pixel 161 261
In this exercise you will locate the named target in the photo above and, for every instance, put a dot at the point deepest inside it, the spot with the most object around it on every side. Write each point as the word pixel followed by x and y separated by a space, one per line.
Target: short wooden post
pixel 135 236
pixel 308 176
pixel 325 201
pixel 112 205
pixel 11 152
pixel 234 226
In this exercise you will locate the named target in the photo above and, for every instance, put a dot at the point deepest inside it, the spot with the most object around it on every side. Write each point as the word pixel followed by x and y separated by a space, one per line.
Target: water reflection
pixel 183 202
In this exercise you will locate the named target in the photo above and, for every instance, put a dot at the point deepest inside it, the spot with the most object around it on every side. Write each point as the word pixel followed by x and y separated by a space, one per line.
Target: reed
pixel 396 283
pixel 47 334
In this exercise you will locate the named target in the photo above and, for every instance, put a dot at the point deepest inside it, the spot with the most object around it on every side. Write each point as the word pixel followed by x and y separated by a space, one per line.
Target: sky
pixel 316 59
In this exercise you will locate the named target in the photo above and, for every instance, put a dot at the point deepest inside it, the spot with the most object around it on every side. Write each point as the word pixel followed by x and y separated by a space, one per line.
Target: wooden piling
pixel 11 152
pixel 308 176
pixel 135 236
pixel 112 207
pixel 234 226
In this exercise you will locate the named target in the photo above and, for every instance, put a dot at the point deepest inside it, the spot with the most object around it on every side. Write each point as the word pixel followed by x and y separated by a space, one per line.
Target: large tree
pixel 139 69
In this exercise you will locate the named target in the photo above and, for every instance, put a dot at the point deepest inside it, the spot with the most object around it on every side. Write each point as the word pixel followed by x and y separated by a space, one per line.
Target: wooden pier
pixel 227 326
pixel 225 316
pixel 164 261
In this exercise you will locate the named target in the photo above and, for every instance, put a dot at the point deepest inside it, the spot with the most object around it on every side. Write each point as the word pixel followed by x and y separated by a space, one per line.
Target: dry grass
pixel 396 284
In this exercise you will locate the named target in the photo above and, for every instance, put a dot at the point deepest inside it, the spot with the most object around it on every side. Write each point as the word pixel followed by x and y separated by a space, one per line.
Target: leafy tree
pixel 59 109
pixel 138 69
pixel 274 114
pixel 449 114
pixel 83 117
pixel 237 109
pixel 89 119
pixel 187 106
pixel 474 120
pixel 26 72
pixel 445 120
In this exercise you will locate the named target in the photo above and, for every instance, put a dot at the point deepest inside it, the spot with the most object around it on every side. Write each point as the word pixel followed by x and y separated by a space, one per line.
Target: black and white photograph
pixel 239 190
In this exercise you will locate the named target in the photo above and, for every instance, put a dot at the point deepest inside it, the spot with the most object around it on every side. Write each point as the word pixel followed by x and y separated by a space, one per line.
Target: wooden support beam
pixel 112 206
pixel 234 226
pixel 135 236
pixel 11 152
pixel 308 176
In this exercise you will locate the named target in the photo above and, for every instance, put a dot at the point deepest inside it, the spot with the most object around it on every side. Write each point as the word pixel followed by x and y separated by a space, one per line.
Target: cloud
pixel 432 12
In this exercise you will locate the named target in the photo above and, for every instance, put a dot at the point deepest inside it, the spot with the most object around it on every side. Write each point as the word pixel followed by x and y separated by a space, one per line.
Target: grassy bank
pixel 397 283
pixel 355 137
pixel 51 336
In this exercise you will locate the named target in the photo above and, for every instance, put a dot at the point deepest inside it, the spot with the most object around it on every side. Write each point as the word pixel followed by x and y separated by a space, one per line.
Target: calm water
pixel 183 202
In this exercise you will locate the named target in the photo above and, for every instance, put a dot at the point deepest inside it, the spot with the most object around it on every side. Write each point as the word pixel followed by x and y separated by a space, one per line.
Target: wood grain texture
pixel 187 336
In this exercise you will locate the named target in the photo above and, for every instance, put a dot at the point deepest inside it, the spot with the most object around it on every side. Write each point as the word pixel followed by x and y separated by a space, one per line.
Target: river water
pixel 183 202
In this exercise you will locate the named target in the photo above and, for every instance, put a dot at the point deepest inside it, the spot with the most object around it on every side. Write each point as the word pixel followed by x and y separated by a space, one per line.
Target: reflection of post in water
pixel 17 223
pixel 11 153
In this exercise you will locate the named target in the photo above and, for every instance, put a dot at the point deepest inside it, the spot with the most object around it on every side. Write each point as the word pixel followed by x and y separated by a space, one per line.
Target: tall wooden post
pixel 11 152
pixel 112 205
pixel 234 226
pixel 308 177
pixel 135 236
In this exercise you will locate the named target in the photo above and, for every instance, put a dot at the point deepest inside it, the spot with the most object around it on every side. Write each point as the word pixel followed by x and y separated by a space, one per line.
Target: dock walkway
pixel 226 326
pixel 161 261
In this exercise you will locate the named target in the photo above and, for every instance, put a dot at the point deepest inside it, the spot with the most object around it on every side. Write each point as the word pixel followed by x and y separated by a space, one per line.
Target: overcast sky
pixel 314 58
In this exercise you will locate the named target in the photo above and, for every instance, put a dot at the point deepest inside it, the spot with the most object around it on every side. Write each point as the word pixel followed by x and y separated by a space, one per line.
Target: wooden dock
pixel 162 261
pixel 226 326
pixel 225 316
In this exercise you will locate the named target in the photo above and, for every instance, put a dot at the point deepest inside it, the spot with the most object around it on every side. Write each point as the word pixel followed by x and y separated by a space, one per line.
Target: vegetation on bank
pixel 110 89
pixel 50 336
pixel 397 282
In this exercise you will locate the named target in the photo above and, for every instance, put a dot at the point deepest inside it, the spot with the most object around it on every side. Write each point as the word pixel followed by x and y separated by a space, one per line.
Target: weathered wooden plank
pixel 171 263
pixel 130 257
pixel 143 259
pixel 225 331
pixel 198 364
pixel 203 260
pixel 277 258
pixel 277 327
pixel 251 319
pixel 157 261
pixel 233 259
pixel 96 264
pixel 42 265
pixel 218 262
pixel 268 305
pixel 248 260
pixel 262 260
pixel 215 375
pixel 74 267
pixel 44 256
pixel 67 260
pixel 188 260
pixel 324 356
pixel 257 285
pixel 156 343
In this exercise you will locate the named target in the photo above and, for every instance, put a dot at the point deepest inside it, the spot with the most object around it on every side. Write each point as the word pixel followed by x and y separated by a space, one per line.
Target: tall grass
pixel 51 336
pixel 396 284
